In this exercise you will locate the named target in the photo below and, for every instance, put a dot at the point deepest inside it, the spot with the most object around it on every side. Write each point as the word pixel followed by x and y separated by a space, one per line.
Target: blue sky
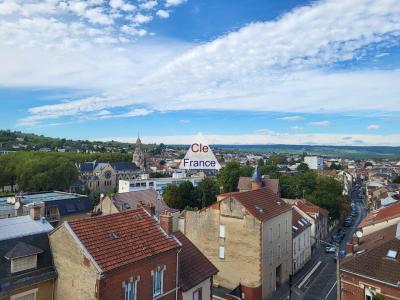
pixel 249 72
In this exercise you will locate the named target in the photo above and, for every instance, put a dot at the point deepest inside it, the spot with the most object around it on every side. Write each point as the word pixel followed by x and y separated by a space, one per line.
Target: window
pixel 286 226
pixel 270 234
pixel 130 290
pixel 197 294
pixel 23 263
pixel 221 252
pixel 279 230
pixel 368 294
pixel 279 251
pixel 222 231
pixel 271 254
pixel 158 276
pixel 28 295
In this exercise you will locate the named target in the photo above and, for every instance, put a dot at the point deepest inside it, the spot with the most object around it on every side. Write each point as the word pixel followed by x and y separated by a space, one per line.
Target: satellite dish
pixel 359 234
pixel 17 205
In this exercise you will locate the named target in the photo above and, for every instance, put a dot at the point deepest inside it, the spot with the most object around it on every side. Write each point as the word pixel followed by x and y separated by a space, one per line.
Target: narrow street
pixel 322 283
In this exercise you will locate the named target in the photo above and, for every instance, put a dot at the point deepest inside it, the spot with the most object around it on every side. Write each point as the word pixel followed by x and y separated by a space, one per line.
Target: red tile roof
pixel 123 238
pixel 136 199
pixel 262 203
pixel 194 266
pixel 373 262
pixel 244 184
pixel 299 222
pixel 380 215
pixel 311 208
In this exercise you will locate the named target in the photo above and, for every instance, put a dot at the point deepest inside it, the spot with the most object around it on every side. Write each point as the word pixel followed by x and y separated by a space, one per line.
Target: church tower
pixel 138 155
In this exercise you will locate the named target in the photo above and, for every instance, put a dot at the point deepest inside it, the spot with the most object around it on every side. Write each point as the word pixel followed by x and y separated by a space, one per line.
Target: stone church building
pixel 103 176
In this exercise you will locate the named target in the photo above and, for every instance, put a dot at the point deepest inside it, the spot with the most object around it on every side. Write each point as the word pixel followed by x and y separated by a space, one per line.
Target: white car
pixel 330 249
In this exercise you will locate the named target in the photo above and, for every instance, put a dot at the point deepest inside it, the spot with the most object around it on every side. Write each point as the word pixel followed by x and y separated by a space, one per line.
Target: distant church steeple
pixel 138 155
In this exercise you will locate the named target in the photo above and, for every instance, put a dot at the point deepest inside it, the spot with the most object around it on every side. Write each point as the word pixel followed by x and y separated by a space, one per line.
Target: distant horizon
pixel 253 72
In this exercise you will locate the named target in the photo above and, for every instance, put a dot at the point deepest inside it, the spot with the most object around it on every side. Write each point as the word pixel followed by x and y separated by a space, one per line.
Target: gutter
pixel 371 278
pixel 177 273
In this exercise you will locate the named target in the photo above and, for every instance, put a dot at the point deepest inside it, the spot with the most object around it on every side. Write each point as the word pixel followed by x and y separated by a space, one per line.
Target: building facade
pixel 126 256
pixel 314 162
pixel 371 270
pixel 101 177
pixel 301 235
pixel 26 267
pixel 247 235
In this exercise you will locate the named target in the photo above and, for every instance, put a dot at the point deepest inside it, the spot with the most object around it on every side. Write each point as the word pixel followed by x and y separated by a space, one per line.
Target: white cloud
pixel 137 112
pixel 141 19
pixel 169 3
pixel 373 127
pixel 292 118
pixel 296 128
pixel 320 123
pixel 8 7
pixel 149 4
pixel 281 65
pixel 96 16
pixel 162 13
pixel 262 139
pixel 184 121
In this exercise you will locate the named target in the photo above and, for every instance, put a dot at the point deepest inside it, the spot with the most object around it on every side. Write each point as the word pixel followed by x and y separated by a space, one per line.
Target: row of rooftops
pixel 376 256
pixel 67 203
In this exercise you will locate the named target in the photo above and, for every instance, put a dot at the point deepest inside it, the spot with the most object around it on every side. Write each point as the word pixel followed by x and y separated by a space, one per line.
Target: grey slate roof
pixel 22 226
pixel 123 166
pixel 22 249
pixel 45 269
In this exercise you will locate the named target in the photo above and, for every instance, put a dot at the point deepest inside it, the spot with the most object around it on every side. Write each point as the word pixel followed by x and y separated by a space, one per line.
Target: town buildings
pixel 128 255
pixel 100 177
pixel 26 265
pixel 158 184
pixel 55 206
pixel 245 183
pixel 372 268
pixel 380 218
pixel 317 216
pixel 301 235
pixel 247 235
pixel 314 162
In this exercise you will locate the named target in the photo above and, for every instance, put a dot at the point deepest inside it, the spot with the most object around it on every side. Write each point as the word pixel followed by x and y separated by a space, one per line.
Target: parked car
pixel 330 249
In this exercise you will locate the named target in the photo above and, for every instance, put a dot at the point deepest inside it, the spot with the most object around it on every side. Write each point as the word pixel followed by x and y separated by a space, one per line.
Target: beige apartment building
pixel 248 237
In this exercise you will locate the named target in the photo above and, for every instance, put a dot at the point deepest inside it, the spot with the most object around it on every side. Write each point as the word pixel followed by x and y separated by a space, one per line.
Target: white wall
pixel 205 291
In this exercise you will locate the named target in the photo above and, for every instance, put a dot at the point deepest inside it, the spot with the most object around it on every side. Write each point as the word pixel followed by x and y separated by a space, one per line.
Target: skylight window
pixel 301 224
pixel 295 228
pixel 391 253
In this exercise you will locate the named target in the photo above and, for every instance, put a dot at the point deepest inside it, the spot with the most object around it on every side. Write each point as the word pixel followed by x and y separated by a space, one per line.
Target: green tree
pixel 228 176
pixel 303 167
pixel 368 164
pixel 173 197
pixel 396 179
pixel 207 191
pixel 246 170
pixel 335 166
pixel 188 194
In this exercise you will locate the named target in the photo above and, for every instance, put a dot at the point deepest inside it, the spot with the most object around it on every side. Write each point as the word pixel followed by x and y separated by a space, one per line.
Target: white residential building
pixel 159 184
pixel 314 162
pixel 301 237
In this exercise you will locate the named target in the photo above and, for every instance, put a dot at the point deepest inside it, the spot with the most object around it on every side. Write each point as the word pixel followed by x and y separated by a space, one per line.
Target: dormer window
pixel 391 253
pixel 23 257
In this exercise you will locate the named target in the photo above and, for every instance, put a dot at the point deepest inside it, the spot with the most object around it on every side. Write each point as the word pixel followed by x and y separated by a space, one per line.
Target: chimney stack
pixel 166 222
pixel 34 211
pixel 349 248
